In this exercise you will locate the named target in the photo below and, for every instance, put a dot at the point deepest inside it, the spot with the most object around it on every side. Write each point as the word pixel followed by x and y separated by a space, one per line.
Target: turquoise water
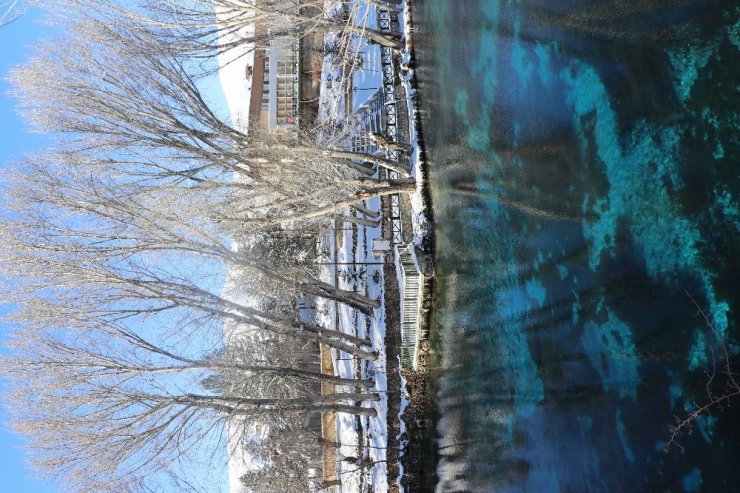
pixel 584 161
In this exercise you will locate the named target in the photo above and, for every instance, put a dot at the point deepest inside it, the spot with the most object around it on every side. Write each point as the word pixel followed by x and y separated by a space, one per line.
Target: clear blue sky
pixel 15 42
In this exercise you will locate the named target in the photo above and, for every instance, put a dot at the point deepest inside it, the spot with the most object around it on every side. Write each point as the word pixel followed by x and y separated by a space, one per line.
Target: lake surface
pixel 586 185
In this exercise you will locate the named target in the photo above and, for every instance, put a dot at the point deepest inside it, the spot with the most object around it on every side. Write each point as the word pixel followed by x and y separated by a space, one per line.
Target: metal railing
pixel 411 300
pixel 388 23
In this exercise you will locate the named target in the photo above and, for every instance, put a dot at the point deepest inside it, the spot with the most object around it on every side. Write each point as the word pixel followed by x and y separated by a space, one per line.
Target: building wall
pixel 283 84
pixel 275 101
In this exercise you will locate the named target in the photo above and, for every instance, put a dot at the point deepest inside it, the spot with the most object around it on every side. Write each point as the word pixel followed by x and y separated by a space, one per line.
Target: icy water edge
pixel 584 161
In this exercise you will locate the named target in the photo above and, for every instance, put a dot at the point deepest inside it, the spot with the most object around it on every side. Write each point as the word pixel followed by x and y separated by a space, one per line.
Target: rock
pixel 426 262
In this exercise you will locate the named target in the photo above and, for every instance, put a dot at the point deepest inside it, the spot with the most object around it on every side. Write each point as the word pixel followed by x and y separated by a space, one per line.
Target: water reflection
pixel 587 201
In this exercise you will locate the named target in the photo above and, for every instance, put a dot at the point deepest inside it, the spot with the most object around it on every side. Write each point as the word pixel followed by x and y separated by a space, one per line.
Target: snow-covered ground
pixel 418 205
pixel 362 456
pixel 372 441
pixel 367 445
pixel 366 78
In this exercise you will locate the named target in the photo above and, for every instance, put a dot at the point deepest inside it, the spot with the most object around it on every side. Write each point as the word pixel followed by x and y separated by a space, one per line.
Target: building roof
pixel 236 86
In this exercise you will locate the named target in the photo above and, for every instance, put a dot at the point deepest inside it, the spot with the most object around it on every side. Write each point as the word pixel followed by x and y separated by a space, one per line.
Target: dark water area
pixel 585 178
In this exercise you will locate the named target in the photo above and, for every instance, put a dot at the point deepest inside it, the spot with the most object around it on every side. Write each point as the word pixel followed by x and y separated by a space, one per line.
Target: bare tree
pixel 123 102
pixel 128 249
pixel 120 251
pixel 68 283
pixel 123 219
pixel 111 430
pixel 287 457
pixel 106 406
pixel 207 28
pixel 102 349
pixel 116 92
pixel 10 10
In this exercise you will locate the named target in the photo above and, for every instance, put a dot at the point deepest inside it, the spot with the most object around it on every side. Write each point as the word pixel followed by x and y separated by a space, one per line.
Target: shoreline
pixel 417 419
pixel 408 406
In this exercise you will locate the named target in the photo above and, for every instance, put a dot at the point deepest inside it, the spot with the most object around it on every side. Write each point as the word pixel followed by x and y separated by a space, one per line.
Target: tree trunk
pixel 347 396
pixel 317 329
pixel 362 168
pixel 329 378
pixel 328 443
pixel 380 140
pixel 347 409
pixel 384 39
pixel 401 168
pixel 341 346
pixel 370 223
pixel 364 210
pixel 356 300
pixel 329 484
pixel 396 186
pixel 287 329
pixel 316 287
